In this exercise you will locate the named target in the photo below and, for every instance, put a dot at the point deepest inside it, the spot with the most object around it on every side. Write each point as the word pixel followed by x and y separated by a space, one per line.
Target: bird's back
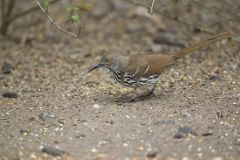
pixel 147 65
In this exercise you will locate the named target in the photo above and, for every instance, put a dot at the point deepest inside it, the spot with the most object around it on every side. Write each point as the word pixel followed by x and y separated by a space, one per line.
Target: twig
pixel 8 112
pixel 149 8
pixel 231 4
pixel 6 15
pixel 203 29
pixel 54 23
pixel 10 8
pixel 19 15
pixel 2 9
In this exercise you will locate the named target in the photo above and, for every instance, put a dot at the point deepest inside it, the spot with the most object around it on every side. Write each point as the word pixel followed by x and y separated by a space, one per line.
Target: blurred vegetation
pixel 9 13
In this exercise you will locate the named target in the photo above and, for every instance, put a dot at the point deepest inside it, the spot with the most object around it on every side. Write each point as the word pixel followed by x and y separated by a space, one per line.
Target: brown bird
pixel 143 70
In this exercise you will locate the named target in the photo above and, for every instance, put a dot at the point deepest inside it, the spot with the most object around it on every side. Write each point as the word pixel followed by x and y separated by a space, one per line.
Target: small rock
pixel 125 144
pixel 24 131
pixel 33 156
pixel 52 151
pixel 109 122
pixel 10 95
pixel 184 131
pixel 45 116
pixel 207 134
pixel 80 136
pixel 152 154
pixel 219 114
pixel 31 119
pixel 161 39
pixel 196 30
pixel 94 150
pixel 214 78
pixel 96 106
pixel 6 68
pixel 237 141
pixel 62 121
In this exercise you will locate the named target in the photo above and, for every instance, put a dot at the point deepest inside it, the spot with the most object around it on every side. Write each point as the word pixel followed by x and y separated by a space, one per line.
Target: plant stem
pixel 8 18
pixel 19 15
pixel 6 13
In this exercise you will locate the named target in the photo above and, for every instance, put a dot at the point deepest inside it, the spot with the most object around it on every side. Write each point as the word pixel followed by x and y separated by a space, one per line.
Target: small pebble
pixel 33 156
pixel 80 136
pixel 219 114
pixel 152 154
pixel 52 151
pixel 24 131
pixel 214 78
pixel 207 134
pixel 161 39
pixel 6 68
pixel 237 141
pixel 31 119
pixel 94 150
pixel 125 145
pixel 184 131
pixel 45 116
pixel 10 95
pixel 96 106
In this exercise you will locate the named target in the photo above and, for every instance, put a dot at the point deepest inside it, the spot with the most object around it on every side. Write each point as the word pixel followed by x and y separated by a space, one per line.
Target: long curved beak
pixel 94 67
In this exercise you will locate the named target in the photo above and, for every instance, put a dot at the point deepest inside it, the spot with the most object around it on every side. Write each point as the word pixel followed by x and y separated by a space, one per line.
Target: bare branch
pixel 10 8
pixel 203 29
pixel 149 8
pixel 231 4
pixel 21 14
pixel 55 24
pixel 2 9
pixel 6 14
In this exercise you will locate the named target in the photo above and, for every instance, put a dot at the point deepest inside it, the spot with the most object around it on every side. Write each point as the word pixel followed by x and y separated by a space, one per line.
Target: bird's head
pixel 111 62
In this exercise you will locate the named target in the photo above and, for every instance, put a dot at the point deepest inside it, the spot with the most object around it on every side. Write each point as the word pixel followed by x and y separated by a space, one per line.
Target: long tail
pixel 202 43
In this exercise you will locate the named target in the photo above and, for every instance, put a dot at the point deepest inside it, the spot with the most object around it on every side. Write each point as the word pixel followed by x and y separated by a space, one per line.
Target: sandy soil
pixel 195 113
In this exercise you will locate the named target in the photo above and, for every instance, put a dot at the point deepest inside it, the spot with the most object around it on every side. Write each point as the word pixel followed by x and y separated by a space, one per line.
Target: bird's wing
pixel 146 65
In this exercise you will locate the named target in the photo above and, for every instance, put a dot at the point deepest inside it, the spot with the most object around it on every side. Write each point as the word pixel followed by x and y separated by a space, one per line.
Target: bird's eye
pixel 108 60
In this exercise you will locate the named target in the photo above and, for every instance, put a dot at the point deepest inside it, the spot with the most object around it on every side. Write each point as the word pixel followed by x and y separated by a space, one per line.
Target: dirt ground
pixel 195 113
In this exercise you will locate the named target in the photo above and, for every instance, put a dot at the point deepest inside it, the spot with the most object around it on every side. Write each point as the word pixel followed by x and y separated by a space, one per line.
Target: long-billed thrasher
pixel 142 71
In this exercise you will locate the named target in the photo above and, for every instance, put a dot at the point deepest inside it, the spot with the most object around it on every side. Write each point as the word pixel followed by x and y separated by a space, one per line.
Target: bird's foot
pixel 134 98
pixel 142 96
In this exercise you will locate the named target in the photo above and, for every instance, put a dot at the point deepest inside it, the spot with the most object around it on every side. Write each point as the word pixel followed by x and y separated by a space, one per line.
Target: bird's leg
pixel 125 97
pixel 144 95
pixel 151 91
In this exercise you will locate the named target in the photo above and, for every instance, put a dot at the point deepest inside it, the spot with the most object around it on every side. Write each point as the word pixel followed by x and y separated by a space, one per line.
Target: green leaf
pixel 72 14
pixel 45 4
pixel 74 18
pixel 72 9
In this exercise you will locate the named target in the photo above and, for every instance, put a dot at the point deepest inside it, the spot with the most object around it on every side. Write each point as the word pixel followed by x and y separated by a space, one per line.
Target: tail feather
pixel 201 44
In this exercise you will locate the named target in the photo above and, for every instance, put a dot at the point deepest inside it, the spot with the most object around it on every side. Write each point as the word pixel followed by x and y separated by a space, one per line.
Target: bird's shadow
pixel 126 99
pixel 130 99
